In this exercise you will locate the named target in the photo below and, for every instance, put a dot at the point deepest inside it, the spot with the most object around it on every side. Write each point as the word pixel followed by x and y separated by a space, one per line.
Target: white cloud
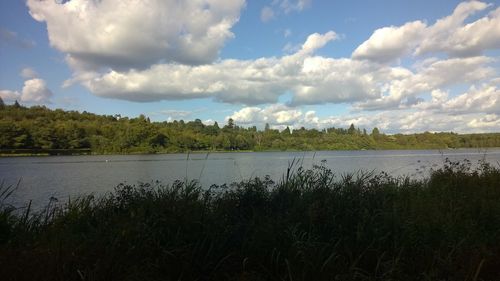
pixel 490 122
pixel 132 34
pixel 316 41
pixel 311 79
pixel 233 81
pixel 277 114
pixel 9 96
pixel 166 50
pixel 450 35
pixel 326 80
pixel 28 73
pixel 390 43
pixel 388 121
pixel 485 99
pixel 287 33
pixel 229 81
pixel 266 14
pixel 34 91
pixel 404 84
pixel 208 122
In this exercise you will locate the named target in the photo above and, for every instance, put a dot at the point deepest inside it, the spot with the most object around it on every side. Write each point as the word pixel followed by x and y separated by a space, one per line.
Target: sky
pixel 401 66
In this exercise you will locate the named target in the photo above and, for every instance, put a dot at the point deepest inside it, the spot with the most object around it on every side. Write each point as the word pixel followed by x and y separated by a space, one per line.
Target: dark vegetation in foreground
pixel 312 225
pixel 39 130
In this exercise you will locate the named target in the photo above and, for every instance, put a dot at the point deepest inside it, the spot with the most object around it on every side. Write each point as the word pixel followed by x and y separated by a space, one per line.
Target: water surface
pixel 65 176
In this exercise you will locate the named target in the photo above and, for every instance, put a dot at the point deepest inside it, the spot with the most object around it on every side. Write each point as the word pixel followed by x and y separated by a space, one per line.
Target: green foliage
pixel 16 104
pixel 312 225
pixel 38 129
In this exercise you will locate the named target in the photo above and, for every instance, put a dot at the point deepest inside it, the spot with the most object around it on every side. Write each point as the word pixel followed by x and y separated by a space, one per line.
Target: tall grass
pixel 311 225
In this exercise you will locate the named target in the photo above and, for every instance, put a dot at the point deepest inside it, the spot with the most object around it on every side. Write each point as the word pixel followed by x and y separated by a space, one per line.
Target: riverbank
pixel 311 225
pixel 77 152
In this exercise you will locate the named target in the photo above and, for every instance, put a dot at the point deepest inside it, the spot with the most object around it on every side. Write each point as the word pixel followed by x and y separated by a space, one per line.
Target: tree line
pixel 40 128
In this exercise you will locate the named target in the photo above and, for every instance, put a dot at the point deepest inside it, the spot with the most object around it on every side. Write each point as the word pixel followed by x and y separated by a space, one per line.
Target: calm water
pixel 64 176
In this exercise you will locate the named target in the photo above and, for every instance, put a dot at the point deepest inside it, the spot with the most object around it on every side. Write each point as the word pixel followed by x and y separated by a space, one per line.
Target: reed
pixel 311 225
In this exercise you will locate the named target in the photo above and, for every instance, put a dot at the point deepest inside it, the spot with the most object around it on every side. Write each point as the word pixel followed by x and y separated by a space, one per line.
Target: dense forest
pixel 38 129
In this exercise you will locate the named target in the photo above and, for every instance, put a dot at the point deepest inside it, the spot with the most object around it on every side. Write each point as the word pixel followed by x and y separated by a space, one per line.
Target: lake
pixel 65 176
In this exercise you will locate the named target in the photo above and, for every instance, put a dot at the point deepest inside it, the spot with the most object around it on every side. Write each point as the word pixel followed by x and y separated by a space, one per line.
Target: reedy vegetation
pixel 39 130
pixel 311 225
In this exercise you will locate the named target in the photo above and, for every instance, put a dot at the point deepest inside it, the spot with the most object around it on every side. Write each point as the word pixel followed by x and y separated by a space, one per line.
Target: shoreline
pixel 64 153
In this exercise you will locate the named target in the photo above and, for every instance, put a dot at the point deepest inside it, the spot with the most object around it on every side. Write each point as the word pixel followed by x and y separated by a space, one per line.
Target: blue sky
pixel 403 66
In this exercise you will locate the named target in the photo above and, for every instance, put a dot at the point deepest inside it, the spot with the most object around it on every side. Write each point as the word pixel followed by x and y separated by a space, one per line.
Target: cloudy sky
pixel 402 66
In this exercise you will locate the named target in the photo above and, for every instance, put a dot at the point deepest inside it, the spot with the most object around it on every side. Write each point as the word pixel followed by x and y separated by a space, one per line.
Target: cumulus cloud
pixel 390 43
pixel 414 121
pixel 450 35
pixel 484 99
pixel 311 79
pixel 277 114
pixel 325 80
pixel 135 34
pixel 34 91
pixel 281 115
pixel 168 50
pixel 316 41
pixel 228 81
pixel 232 81
pixel 403 84
pixel 490 122
pixel 9 96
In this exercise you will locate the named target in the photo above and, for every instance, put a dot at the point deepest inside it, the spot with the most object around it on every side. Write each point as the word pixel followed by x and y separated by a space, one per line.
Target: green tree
pixel 38 127
pixel 351 130
pixel 241 142
pixel 158 140
pixel 222 141
pixel 230 123
pixel 7 135
pixel 286 131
